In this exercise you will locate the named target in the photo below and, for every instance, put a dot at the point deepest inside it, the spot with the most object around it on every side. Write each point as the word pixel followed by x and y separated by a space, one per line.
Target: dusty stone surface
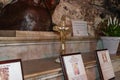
pixel 85 10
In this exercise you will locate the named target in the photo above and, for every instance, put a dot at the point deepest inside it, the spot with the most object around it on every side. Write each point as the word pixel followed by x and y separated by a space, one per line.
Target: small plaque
pixel 105 65
pixel 79 28
pixel 73 67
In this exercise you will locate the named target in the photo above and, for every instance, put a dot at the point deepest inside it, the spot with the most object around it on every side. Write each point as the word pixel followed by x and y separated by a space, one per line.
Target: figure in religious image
pixel 104 57
pixel 76 69
pixel 4 73
pixel 75 65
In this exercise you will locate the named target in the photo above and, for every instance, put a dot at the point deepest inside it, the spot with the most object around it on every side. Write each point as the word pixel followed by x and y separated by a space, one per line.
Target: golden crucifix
pixel 63 30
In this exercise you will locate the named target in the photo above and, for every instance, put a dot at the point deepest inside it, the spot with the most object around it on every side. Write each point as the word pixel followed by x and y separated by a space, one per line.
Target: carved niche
pixel 32 15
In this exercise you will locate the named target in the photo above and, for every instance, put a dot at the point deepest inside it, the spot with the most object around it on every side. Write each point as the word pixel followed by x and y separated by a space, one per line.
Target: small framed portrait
pixel 104 64
pixel 73 67
pixel 11 70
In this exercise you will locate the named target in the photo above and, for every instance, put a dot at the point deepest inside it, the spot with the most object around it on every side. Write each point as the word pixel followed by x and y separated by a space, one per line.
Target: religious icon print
pixel 105 67
pixel 4 73
pixel 74 62
pixel 104 57
pixel 73 67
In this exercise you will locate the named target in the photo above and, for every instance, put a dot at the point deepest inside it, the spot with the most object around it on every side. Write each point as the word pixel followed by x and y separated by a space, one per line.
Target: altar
pixel 38 53
pixel 29 46
pixel 36 45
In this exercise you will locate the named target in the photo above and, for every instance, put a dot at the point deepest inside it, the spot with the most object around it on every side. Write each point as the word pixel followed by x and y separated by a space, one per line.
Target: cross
pixel 63 30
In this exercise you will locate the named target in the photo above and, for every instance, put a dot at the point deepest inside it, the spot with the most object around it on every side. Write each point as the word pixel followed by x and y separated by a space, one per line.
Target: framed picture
pixel 11 70
pixel 80 28
pixel 105 65
pixel 73 67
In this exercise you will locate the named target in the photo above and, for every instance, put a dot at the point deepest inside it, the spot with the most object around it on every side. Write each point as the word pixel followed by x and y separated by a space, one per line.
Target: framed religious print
pixel 11 70
pixel 73 67
pixel 105 65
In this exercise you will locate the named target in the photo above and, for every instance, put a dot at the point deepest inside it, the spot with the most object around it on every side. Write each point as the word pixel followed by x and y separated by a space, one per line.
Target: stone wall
pixel 39 50
pixel 86 10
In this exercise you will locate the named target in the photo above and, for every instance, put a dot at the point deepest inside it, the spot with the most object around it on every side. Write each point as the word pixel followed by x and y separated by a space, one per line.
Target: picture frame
pixel 11 70
pixel 80 28
pixel 104 64
pixel 73 66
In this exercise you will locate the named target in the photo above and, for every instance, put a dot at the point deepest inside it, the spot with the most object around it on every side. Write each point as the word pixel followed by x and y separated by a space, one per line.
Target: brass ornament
pixel 63 31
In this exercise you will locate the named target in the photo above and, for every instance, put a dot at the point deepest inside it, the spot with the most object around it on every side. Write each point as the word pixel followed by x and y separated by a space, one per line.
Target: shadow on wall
pixel 32 15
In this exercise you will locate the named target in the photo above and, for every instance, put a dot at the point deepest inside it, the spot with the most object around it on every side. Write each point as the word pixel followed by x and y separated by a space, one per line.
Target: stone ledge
pixel 9 35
